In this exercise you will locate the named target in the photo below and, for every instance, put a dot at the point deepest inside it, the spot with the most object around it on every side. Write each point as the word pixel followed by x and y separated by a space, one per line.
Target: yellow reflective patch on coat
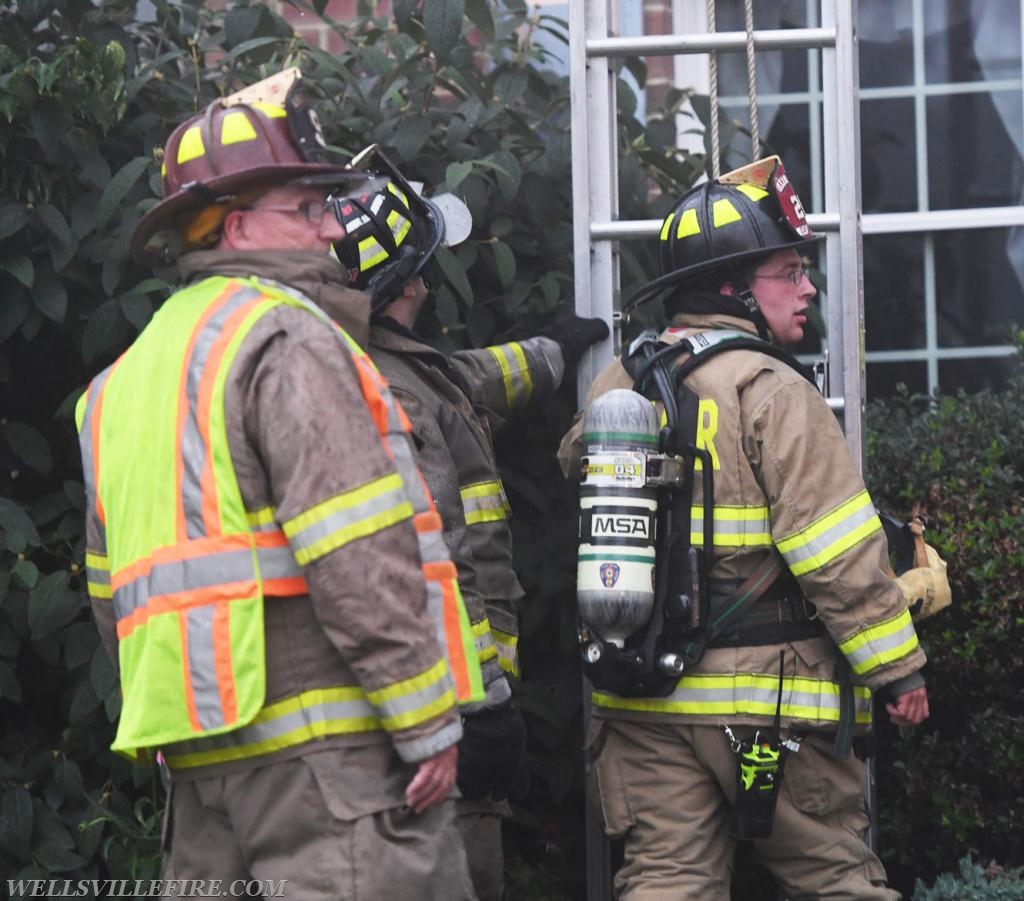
pixel 707 428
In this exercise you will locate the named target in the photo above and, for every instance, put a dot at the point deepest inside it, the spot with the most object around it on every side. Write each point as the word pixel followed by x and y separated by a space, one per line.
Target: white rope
pixel 748 12
pixel 713 94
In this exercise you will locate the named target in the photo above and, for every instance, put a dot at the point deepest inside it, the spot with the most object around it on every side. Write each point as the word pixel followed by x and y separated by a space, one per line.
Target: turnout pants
pixel 332 825
pixel 667 791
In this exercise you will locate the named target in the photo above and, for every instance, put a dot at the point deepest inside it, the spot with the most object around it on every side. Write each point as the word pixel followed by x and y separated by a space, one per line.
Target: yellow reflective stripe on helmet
pixel 235 128
pixel 345 517
pixel 399 226
pixel 508 651
pixel 190 147
pixel 734 526
pixel 284 724
pixel 724 213
pixel 413 701
pixel 485 502
pixel 370 253
pixel 880 644
pixel 97 575
pixel 748 694
pixel 515 371
pixel 688 224
pixel 828 537
pixel 270 110
pixel 752 191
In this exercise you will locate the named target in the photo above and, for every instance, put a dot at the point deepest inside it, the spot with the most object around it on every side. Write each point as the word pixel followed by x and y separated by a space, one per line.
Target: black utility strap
pixel 759 581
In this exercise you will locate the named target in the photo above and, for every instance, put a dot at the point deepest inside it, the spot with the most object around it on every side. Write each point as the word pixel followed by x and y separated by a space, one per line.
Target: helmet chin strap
pixel 746 297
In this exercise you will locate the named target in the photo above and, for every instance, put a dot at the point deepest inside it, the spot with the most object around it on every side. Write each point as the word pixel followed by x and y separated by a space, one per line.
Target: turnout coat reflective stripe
pixel 784 479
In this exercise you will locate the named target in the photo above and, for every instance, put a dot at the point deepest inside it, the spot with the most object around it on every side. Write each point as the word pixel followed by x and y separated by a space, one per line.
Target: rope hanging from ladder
pixel 755 138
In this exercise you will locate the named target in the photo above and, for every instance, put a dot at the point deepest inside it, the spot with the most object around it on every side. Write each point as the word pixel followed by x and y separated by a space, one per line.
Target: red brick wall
pixel 658 20
pixel 317 32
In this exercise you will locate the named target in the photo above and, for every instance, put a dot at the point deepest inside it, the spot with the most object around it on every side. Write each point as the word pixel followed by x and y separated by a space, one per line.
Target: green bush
pixel 956 783
pixel 974 883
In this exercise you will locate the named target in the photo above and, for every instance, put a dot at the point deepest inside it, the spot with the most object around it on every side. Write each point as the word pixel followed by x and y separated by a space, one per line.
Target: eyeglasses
pixel 313 210
pixel 793 276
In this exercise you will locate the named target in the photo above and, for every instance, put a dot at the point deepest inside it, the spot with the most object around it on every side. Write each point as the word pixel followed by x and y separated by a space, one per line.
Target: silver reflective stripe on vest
pixel 89 465
pixel 332 711
pixel 179 576
pixel 193 448
pixel 202 666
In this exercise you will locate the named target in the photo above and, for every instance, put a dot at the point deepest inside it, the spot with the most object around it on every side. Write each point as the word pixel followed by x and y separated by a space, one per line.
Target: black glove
pixel 575 334
pixel 491 752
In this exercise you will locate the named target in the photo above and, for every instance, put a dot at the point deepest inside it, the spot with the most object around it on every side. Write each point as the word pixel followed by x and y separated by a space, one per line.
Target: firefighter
pixel 753 742
pixel 264 563
pixel 453 402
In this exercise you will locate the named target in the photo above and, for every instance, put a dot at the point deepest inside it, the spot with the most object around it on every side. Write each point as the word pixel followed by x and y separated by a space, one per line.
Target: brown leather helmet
pixel 231 149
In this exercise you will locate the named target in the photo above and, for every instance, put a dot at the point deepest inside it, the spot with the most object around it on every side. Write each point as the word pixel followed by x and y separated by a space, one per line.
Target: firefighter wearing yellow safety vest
pixel 771 641
pixel 454 401
pixel 265 563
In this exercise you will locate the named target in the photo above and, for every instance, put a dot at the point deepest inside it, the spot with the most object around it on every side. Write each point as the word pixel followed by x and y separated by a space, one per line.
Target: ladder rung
pixel 678 44
pixel 645 228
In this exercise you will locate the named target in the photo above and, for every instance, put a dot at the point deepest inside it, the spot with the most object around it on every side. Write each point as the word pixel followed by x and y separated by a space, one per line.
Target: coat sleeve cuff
pixel 416 749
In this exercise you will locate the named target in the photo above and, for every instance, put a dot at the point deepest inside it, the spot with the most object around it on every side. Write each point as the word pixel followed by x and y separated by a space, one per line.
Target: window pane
pixel 964 45
pixel 978 288
pixel 974 375
pixel 888 156
pixel 971 158
pixel 884 378
pixel 893 292
pixel 886 49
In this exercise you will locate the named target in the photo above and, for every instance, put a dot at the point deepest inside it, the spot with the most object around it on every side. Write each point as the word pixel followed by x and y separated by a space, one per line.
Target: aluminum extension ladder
pixel 597 228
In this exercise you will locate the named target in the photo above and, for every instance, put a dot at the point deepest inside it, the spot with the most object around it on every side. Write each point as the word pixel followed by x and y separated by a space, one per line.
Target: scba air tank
pixel 618 513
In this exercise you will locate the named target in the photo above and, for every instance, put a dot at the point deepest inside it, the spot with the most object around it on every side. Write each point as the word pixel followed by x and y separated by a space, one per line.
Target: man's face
pixel 783 303
pixel 286 218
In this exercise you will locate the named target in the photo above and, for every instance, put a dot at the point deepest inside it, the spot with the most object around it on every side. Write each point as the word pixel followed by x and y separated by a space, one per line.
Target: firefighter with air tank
pixel 737 610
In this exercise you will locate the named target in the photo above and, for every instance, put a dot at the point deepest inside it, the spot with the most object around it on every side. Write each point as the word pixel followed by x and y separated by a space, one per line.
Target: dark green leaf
pixel 248 46
pixel 50 296
pixel 101 672
pixel 103 330
pixel 52 605
pixel 83 699
pixel 63 243
pixel 15 307
pixel 456 173
pixel 28 445
pixel 404 11
pixel 13 218
pixel 16 818
pixel 505 261
pixel 80 643
pixel 68 778
pixel 137 310
pixel 27 572
pixel 55 858
pixel 48 128
pixel 10 687
pixel 240 24
pixel 479 13
pixel 411 137
pixel 455 274
pixel 21 268
pixel 75 492
pixel 14 518
pixel 442 21
pixel 118 187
